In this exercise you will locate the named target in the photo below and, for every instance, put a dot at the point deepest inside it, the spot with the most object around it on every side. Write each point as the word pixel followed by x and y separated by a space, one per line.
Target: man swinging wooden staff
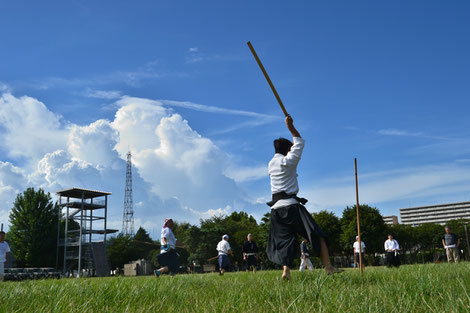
pixel 289 217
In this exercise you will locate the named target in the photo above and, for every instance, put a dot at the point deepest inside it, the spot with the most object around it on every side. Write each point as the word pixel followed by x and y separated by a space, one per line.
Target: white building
pixel 439 214
pixel 391 219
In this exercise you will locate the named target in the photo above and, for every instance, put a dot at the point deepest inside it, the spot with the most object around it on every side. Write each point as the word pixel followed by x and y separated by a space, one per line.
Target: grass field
pixel 411 288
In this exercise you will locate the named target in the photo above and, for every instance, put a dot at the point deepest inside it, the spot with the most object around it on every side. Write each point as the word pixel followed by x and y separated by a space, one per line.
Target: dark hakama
pixel 393 259
pixel 169 259
pixel 356 258
pixel 286 222
pixel 224 261
pixel 251 262
pixel 250 249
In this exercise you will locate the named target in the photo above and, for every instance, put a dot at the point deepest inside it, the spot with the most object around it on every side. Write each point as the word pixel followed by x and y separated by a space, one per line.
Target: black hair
pixel 282 145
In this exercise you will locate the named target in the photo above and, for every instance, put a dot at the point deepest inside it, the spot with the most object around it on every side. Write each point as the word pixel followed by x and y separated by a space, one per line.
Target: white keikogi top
pixel 223 247
pixel 356 246
pixel 391 245
pixel 283 172
pixel 4 248
pixel 170 238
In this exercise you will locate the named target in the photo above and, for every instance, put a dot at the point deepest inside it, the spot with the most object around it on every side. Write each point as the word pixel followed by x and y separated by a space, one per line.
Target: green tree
pixel 429 241
pixel 330 225
pixel 141 245
pixel 373 228
pixel 184 234
pixel 123 249
pixel 405 235
pixel 142 235
pixel 429 236
pixel 33 230
pixel 120 251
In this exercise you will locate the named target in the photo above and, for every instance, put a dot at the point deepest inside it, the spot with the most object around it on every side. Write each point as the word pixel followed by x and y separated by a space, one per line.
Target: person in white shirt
pixel 4 251
pixel 168 257
pixel 288 215
pixel 224 249
pixel 392 248
pixel 356 251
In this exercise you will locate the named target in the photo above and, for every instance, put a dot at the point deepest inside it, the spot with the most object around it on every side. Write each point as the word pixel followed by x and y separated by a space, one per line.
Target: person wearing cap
pixel 304 257
pixel 391 247
pixel 168 257
pixel 224 249
pixel 289 217
pixel 356 251
pixel 250 253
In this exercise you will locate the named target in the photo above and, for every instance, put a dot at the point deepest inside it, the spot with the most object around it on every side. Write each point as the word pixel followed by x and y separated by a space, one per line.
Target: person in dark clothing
pixel 250 253
pixel 288 215
pixel 304 257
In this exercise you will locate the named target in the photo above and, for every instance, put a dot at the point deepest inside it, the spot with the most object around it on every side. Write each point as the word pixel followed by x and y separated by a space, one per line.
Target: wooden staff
pixel 2 227
pixel 358 223
pixel 212 258
pixel 267 78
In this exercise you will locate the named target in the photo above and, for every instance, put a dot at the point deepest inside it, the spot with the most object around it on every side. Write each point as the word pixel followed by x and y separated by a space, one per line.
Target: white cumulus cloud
pixel 94 143
pixel 177 172
pixel 28 129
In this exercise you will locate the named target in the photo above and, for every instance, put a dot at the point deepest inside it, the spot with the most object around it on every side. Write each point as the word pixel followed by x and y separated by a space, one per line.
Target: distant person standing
pixel 392 248
pixel 250 253
pixel 224 249
pixel 4 250
pixel 304 257
pixel 168 257
pixel 357 251
pixel 451 243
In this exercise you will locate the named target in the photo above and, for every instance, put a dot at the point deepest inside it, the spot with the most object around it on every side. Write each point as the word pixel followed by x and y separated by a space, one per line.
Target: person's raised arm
pixel 291 127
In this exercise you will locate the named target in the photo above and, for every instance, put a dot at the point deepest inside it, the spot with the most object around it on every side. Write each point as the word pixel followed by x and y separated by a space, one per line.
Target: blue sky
pixel 386 82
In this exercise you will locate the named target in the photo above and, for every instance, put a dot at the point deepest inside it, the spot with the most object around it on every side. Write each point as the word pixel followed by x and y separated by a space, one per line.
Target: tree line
pixel 34 226
pixel 418 244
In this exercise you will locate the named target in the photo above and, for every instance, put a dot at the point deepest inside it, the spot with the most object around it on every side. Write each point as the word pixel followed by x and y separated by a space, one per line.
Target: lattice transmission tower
pixel 128 215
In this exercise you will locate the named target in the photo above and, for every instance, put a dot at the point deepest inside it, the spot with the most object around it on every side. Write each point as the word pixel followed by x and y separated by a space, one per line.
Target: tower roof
pixel 77 193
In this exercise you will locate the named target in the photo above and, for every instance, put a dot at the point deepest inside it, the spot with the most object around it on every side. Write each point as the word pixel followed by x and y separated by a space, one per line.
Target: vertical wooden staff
pixel 2 227
pixel 358 221
pixel 267 78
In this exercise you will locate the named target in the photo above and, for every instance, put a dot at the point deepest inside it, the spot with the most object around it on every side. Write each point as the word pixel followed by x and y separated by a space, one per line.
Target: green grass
pixel 411 288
